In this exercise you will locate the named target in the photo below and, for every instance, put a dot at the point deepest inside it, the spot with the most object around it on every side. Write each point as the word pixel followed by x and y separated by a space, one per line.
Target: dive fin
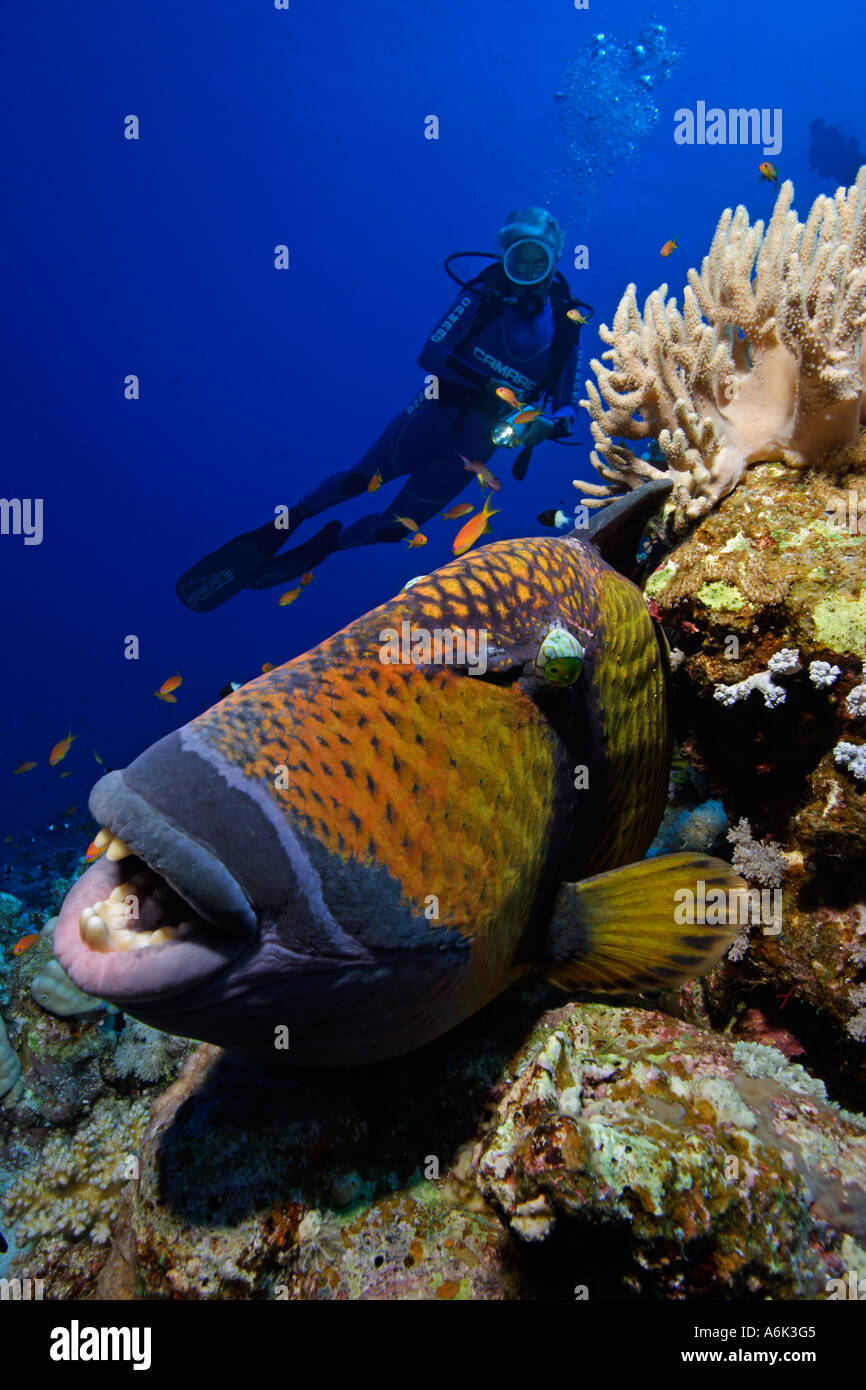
pixel 306 556
pixel 521 463
pixel 616 529
pixel 223 573
pixel 617 932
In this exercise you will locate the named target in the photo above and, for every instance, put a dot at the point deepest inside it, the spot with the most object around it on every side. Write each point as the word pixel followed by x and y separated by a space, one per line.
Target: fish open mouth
pixel 151 920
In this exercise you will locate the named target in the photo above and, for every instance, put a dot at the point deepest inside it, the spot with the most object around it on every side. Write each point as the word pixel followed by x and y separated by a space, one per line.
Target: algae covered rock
pixel 722 1167
pixel 766 600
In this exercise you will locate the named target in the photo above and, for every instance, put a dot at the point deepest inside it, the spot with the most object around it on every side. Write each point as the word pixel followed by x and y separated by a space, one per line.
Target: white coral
pixel 852 756
pixel 822 674
pixel 763 363
pixel 782 663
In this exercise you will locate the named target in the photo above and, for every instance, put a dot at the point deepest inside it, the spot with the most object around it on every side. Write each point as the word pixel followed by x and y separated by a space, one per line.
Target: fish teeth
pixel 118 850
pixel 103 927
pixel 94 930
pixel 162 934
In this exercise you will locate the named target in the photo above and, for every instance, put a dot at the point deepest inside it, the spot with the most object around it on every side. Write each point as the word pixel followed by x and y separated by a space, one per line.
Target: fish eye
pixel 560 658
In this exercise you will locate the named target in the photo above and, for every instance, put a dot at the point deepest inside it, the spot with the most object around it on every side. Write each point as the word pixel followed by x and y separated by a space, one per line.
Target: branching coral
pixel 783 663
pixel 765 362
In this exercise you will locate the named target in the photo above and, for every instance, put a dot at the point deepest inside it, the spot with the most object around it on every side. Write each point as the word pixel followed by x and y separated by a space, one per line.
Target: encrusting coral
pixel 765 362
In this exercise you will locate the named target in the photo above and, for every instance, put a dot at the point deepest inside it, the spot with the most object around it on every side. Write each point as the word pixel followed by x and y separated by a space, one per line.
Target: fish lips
pixel 224 921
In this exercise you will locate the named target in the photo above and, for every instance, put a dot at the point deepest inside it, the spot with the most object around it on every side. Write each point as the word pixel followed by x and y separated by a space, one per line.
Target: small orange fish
pixel 525 416
pixel 98 845
pixel 70 810
pixel 168 686
pixel 468 534
pixel 576 316
pixel 485 477
pixel 416 540
pixel 669 247
pixel 267 666
pixel 407 522
pixel 98 759
pixel 307 578
pixel 23 767
pixel 59 751
pixel 461 509
pixel 25 943
pixel 768 171
pixel 67 773
pixel 288 597
pixel 168 699
pixel 506 394
pixel 375 482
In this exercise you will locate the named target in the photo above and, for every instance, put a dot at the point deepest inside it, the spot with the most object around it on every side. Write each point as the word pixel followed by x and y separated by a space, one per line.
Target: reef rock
pixel 613 1153
pixel 766 600
pixel 717 1169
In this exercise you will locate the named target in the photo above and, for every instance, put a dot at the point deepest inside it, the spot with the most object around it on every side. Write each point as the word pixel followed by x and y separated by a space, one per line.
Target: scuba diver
pixel 509 340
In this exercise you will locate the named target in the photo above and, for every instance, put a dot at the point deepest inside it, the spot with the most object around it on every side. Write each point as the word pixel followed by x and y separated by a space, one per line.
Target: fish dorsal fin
pixel 616 529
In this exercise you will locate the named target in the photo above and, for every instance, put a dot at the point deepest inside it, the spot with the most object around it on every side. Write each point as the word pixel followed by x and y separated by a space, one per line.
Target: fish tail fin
pixel 649 925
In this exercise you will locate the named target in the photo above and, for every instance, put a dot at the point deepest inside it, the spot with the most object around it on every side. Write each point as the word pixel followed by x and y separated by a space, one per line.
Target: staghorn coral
pixel 765 362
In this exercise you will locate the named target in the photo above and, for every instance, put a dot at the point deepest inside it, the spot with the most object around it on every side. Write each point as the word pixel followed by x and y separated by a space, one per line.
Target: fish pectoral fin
pixel 646 926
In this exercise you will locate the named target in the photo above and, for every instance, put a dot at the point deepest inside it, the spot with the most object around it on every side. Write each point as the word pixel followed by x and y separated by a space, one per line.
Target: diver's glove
pixel 536 430
pixel 564 421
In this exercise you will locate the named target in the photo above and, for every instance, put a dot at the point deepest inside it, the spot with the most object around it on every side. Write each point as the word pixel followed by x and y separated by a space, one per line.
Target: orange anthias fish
pixel 59 751
pixel 307 578
pixel 669 247
pixel 768 171
pixel 461 509
pixel 525 416
pixel 288 597
pixel 25 943
pixel 416 540
pixel 375 482
pixel 468 534
pixel 431 746
pixel 506 394
pixel 407 522
pixel 482 472
pixel 24 767
pixel 267 666
pixel 576 316
pixel 173 683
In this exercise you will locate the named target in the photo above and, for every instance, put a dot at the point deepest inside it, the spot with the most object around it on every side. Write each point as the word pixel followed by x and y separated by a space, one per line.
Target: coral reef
pixel 721 1168
pixel 764 363
pixel 766 573
pixel 74 1188
pixel 608 1147
pixel 10 1067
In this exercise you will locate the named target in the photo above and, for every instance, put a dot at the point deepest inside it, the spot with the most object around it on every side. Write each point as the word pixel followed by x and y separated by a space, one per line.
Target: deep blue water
pixel 259 127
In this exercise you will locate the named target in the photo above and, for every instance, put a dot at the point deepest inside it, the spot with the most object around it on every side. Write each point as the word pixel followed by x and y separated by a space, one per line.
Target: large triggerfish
pixel 348 856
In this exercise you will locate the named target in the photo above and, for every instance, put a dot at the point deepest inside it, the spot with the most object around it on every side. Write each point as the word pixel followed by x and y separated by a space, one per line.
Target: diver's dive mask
pixel 528 262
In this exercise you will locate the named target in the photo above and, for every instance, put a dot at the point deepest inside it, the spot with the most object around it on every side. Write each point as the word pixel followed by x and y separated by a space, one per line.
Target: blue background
pixel 156 257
